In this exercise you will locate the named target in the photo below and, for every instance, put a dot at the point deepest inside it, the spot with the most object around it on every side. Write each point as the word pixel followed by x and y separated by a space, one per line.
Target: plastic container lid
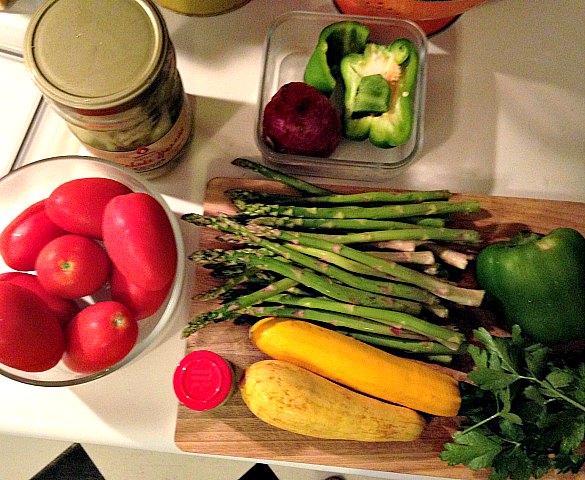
pixel 96 53
pixel 203 380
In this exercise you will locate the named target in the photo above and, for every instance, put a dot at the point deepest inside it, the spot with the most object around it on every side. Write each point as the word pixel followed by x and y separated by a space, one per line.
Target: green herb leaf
pixel 569 463
pixel 577 391
pixel 474 449
pixel 570 430
pixel 491 379
pixel 536 356
pixel 512 418
pixel 479 356
pixel 499 350
pixel 510 427
pixel 559 378
pixel 513 463
pixel 532 392
pixel 526 413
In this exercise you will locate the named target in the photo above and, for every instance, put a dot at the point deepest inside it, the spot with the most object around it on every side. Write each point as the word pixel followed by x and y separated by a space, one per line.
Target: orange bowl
pixel 430 15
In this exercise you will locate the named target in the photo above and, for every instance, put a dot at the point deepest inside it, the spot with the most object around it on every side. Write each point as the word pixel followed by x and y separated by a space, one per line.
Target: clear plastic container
pixel 290 41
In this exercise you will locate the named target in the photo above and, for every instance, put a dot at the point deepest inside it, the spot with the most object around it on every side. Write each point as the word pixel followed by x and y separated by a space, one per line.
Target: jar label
pixel 156 155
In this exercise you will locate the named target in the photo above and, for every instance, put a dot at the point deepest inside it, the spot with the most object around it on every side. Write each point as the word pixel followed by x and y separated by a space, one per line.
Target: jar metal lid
pixel 203 380
pixel 95 54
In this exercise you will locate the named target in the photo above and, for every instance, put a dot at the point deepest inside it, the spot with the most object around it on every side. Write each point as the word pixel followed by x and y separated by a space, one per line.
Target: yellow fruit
pixel 357 365
pixel 292 398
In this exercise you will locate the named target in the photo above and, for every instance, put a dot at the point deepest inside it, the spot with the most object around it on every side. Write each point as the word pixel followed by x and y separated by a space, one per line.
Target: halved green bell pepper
pixel 538 282
pixel 397 63
pixel 335 41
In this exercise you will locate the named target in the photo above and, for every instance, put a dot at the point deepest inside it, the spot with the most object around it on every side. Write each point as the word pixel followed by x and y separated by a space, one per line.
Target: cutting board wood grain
pixel 232 430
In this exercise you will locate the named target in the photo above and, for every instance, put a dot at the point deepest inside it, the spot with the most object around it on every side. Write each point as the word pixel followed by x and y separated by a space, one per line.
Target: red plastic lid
pixel 202 380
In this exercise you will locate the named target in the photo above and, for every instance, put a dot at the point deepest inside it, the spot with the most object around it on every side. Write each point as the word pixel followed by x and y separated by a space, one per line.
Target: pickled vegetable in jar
pixel 109 69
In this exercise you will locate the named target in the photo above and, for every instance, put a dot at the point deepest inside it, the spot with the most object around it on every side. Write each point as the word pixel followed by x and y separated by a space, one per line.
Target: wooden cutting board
pixel 233 431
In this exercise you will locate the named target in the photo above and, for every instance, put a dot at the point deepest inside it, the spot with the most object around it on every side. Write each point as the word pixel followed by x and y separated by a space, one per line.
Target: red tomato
pixel 139 239
pixel 78 205
pixel 72 266
pixel 63 308
pixel 26 235
pixel 99 336
pixel 31 338
pixel 142 303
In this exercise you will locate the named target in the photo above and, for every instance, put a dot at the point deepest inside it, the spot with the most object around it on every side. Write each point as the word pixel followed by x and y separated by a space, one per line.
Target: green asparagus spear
pixel 443 289
pixel 438 310
pixel 429 300
pixel 413 346
pixel 449 256
pixel 393 289
pixel 332 319
pixel 397 245
pixel 327 286
pixel 230 310
pixel 464 296
pixel 331 223
pixel 341 199
pixel 380 213
pixel 422 221
pixel 428 233
pixel 212 256
pixel 396 320
pixel 248 277
pixel 318 282
pixel 238 257
pixel 417 258
pixel 380 287
pixel 262 197
pixel 297 184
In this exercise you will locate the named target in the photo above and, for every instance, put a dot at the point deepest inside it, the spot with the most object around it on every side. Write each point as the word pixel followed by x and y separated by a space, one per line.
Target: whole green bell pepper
pixel 538 282
pixel 335 41
pixel 397 64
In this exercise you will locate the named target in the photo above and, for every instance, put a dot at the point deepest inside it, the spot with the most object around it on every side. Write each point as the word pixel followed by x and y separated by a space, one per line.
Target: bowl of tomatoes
pixel 91 270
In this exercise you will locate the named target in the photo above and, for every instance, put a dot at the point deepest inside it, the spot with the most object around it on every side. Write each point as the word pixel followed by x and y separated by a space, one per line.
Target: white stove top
pixel 19 100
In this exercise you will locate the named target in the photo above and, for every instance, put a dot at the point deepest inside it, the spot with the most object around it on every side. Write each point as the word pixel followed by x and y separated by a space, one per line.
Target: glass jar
pixel 202 8
pixel 108 67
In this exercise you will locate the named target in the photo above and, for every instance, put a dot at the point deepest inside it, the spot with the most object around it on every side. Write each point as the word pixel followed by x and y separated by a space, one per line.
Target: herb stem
pixel 481 423
pixel 547 386
pixel 557 394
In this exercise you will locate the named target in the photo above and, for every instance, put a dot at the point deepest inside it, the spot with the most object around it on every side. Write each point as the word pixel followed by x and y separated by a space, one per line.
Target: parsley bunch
pixel 525 413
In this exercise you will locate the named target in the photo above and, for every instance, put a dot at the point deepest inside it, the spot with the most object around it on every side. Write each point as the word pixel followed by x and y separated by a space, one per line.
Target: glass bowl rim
pixel 174 294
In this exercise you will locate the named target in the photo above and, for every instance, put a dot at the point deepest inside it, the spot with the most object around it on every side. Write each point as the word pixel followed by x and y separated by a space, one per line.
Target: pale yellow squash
pixel 292 398
pixel 357 365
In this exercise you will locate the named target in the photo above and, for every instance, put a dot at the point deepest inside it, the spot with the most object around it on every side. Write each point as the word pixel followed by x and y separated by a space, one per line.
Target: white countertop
pixel 505 115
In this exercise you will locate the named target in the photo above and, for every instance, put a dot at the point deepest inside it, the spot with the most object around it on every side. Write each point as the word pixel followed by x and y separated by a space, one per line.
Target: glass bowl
pixel 289 43
pixel 33 182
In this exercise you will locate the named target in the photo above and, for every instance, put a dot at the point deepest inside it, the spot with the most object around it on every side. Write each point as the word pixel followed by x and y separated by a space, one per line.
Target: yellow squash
pixel 357 365
pixel 292 398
